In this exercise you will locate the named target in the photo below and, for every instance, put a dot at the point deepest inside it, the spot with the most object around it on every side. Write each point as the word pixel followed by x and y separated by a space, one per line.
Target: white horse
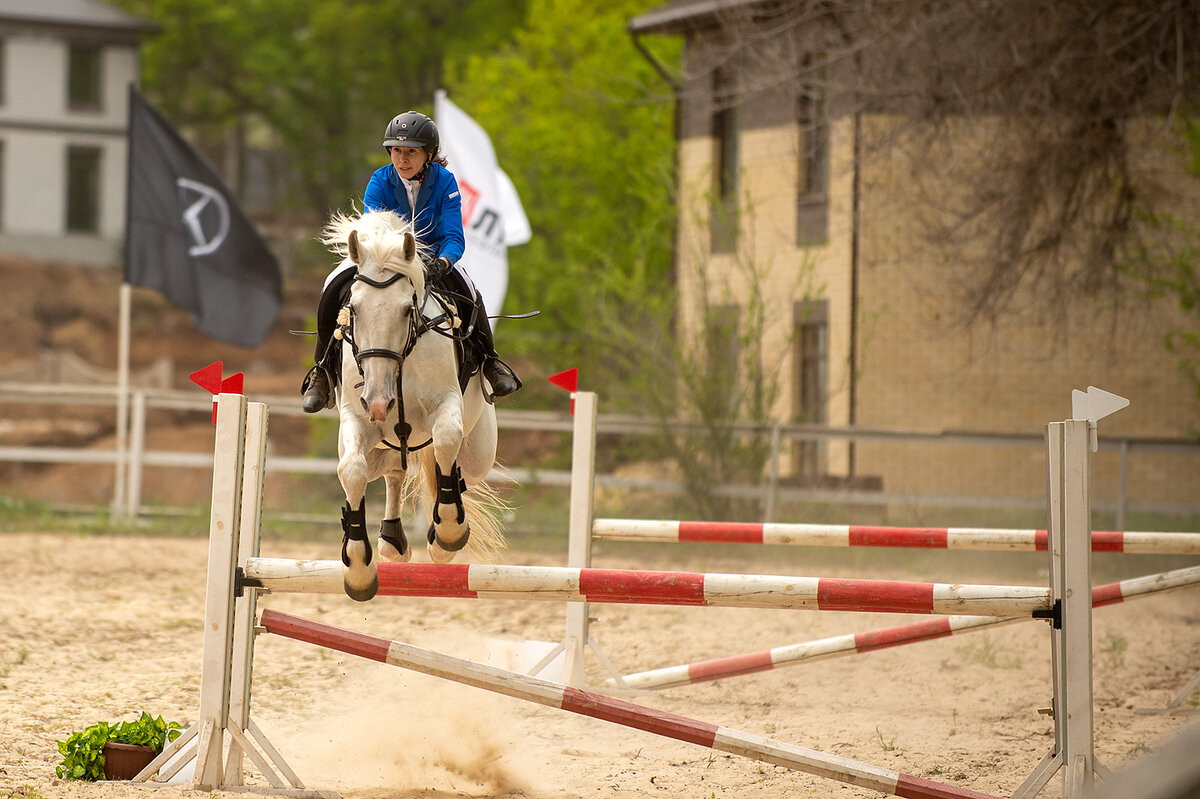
pixel 399 400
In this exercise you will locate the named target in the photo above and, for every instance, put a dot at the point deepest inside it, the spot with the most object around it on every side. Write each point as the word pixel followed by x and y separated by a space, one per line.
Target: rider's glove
pixel 439 269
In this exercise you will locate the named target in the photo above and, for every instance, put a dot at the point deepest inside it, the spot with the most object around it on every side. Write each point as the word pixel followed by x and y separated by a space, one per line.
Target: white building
pixel 65 69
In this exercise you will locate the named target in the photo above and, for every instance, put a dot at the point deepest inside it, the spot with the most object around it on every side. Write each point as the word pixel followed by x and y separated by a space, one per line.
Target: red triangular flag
pixel 209 378
pixel 568 380
pixel 233 384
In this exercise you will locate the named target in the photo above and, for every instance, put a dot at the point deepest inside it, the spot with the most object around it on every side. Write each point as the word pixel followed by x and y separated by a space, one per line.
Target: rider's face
pixel 407 160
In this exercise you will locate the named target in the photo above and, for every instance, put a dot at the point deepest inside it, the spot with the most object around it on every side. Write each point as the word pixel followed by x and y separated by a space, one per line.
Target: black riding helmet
pixel 412 129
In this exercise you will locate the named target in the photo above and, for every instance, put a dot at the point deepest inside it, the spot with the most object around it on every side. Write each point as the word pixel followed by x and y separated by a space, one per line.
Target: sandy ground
pixel 99 628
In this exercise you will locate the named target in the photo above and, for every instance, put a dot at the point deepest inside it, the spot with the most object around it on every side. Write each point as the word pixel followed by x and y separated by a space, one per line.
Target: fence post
pixel 135 453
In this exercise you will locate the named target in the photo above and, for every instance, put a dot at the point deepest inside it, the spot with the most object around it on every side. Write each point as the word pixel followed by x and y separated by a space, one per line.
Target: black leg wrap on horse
pixel 354 528
pixel 450 488
pixel 392 531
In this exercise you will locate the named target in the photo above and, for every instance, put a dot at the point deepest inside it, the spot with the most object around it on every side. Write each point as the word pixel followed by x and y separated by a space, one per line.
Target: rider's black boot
pixel 317 388
pixel 503 379
pixel 317 394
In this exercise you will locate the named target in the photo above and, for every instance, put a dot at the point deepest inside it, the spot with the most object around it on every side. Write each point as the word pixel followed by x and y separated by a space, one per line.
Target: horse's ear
pixel 353 246
pixel 410 247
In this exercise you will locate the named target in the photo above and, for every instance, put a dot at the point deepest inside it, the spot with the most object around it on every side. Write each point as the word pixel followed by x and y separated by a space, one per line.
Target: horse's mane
pixel 380 239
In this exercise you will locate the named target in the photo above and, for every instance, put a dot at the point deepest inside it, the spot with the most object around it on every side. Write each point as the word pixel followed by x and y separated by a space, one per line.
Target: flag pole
pixel 124 312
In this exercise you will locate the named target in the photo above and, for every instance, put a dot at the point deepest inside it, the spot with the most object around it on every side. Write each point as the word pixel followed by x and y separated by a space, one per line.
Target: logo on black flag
pixel 187 238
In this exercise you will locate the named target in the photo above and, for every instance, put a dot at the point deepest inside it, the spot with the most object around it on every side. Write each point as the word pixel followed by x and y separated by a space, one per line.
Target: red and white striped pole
pixel 872 640
pixel 855 535
pixel 622 586
pixel 598 706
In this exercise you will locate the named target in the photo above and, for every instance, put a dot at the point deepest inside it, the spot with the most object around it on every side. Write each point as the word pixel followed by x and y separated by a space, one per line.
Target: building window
pixel 83 78
pixel 812 202
pixel 811 390
pixel 724 207
pixel 83 189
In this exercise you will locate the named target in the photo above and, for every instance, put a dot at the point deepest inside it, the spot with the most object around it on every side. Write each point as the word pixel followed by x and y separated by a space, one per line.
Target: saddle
pixel 449 291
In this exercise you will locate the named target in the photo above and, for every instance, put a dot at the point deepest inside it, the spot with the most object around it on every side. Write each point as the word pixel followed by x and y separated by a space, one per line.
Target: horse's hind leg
pixel 393 545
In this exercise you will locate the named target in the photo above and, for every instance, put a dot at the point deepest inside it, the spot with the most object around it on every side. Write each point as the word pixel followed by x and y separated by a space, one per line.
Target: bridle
pixel 418 324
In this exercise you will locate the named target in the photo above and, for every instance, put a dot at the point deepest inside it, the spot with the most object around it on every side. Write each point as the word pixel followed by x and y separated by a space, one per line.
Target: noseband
pixel 417 324
pixel 415 328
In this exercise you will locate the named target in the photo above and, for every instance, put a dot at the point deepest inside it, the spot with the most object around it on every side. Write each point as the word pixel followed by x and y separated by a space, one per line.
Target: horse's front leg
pixel 449 530
pixel 359 577
pixel 393 544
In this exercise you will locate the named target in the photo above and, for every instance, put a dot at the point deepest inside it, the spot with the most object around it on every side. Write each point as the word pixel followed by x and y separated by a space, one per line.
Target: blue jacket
pixel 439 207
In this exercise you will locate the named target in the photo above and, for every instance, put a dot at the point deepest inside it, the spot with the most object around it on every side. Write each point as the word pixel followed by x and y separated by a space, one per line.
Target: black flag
pixel 186 237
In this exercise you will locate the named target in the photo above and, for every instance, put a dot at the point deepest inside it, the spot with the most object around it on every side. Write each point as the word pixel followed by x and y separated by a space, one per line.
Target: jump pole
pixel 853 535
pixel 631 587
pixel 884 638
pixel 598 706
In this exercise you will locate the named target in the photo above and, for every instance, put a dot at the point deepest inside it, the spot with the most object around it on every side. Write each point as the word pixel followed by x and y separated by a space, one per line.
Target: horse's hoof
pixel 444 553
pixel 439 555
pixel 362 594
pixel 388 551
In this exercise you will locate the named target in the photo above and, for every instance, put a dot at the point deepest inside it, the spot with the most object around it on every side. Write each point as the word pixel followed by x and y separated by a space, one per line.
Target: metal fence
pixel 1130 457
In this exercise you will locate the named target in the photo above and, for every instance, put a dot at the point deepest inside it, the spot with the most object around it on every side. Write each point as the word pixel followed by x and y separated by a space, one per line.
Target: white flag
pixel 493 218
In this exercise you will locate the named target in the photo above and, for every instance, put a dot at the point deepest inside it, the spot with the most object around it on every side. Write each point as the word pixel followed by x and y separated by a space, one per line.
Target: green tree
pixel 314 79
pixel 580 122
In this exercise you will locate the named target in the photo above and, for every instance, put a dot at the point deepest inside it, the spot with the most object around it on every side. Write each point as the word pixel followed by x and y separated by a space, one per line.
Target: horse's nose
pixel 378 407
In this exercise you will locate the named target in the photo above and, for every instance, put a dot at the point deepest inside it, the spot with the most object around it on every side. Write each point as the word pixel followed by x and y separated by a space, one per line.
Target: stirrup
pixel 494 367
pixel 311 388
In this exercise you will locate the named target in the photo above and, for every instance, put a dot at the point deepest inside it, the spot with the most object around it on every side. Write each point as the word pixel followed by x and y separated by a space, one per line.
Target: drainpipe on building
pixel 855 254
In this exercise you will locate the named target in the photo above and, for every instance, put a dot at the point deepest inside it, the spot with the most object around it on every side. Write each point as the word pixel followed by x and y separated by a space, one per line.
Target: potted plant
pixel 115 751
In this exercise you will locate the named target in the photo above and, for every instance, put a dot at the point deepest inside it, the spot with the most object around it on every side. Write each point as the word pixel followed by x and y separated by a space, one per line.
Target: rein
pixel 418 324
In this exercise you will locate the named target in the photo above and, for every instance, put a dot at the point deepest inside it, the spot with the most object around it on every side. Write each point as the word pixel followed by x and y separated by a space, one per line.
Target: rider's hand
pixel 441 267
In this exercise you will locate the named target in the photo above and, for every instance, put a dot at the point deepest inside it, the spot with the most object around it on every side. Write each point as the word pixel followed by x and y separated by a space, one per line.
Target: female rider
pixel 416 178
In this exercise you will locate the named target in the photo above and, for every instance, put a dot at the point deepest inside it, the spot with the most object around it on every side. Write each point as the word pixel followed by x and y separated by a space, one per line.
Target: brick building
pixel 863 330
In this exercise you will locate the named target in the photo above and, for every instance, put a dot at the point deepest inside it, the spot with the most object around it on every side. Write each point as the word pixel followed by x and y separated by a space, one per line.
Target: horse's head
pixel 384 300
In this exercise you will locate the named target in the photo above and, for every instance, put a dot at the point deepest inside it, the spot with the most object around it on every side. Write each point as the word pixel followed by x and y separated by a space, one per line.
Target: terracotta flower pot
pixel 124 761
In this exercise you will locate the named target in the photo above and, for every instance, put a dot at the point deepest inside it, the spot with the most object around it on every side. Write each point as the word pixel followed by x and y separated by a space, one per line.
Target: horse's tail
pixel 483 505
